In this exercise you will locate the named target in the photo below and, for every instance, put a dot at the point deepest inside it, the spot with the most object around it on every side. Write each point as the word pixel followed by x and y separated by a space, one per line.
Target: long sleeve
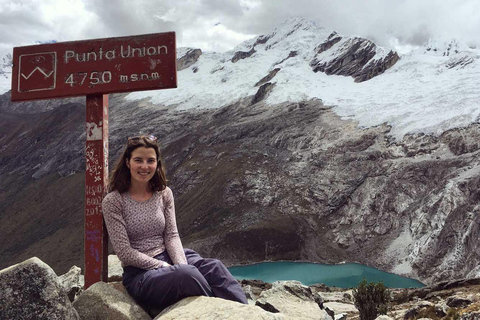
pixel 173 243
pixel 112 213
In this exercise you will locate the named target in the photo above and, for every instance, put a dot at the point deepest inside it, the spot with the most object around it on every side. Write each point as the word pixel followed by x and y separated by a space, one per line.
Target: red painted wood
pixel 123 64
pixel 96 180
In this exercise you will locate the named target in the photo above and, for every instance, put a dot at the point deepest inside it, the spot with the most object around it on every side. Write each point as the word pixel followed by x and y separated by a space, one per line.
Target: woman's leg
pixel 164 286
pixel 221 281
pixel 160 288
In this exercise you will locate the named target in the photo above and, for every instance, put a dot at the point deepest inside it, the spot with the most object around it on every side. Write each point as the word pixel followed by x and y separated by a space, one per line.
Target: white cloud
pixel 410 22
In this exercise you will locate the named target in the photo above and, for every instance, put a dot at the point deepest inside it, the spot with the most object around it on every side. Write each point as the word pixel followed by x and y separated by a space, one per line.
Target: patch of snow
pixel 399 248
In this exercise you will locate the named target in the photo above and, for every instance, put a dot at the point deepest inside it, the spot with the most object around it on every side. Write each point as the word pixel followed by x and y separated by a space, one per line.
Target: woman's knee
pixel 185 271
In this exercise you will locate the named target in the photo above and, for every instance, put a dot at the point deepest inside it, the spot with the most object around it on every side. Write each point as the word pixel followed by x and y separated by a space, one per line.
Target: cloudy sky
pixel 219 25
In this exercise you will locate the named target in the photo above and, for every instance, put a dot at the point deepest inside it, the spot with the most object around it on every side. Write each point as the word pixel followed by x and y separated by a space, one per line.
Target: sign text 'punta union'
pixel 124 52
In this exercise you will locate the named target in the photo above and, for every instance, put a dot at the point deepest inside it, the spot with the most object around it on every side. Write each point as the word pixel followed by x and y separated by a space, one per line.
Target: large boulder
pixel 31 290
pixel 101 301
pixel 294 300
pixel 215 308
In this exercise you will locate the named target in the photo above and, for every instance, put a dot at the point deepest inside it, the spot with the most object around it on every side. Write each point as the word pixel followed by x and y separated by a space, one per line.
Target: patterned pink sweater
pixel 139 230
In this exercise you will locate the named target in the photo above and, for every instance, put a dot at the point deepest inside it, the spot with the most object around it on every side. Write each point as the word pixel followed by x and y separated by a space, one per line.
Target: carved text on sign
pixel 124 52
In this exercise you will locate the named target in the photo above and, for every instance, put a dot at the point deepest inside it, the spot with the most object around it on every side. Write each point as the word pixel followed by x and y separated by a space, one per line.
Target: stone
pixel 268 77
pixel 262 92
pixel 193 308
pixel 470 316
pixel 102 301
pixel 239 55
pixel 355 58
pixel 343 297
pixel 187 60
pixel 294 300
pixel 339 307
pixel 341 316
pixel 458 302
pixel 383 317
pixel 254 287
pixel 71 283
pixel 115 270
pixel 31 290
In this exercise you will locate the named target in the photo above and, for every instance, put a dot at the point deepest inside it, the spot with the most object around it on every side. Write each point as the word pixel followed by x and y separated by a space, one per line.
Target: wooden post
pixel 96 181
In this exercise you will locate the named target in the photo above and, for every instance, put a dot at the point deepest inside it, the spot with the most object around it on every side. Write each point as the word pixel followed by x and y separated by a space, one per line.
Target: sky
pixel 220 25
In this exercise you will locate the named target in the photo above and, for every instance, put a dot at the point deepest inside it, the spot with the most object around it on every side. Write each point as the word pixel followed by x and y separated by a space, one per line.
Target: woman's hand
pixel 165 264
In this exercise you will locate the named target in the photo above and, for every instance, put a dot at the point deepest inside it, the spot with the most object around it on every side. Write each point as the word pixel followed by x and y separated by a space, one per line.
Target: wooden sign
pixel 77 68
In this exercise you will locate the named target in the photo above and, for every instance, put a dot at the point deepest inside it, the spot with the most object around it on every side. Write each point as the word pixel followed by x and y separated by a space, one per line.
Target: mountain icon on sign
pixel 37 71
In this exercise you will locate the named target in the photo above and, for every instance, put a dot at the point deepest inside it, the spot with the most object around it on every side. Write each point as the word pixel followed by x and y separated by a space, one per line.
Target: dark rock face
pixel 290 55
pixel 31 290
pixel 332 39
pixel 190 57
pixel 465 140
pixel 239 55
pixel 354 59
pixel 268 77
pixel 458 302
pixel 263 92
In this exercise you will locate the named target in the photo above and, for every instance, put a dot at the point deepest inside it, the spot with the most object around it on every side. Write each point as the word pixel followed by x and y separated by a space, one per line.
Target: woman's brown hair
pixel 121 177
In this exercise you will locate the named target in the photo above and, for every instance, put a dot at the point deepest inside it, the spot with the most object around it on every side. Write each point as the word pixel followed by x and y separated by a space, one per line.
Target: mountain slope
pixel 257 178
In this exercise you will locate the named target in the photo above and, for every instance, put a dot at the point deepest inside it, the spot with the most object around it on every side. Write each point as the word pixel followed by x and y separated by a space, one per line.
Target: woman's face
pixel 142 164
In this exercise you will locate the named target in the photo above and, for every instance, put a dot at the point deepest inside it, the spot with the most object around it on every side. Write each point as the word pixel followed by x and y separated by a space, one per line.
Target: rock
pixel 249 294
pixel 115 270
pixel 263 92
pixel 268 77
pixel 343 297
pixel 255 287
pixel 190 57
pixel 242 55
pixel 441 310
pixel 458 302
pixel 470 316
pixel 383 317
pixel 70 283
pixel 356 58
pixel 294 300
pixel 320 287
pixel 31 290
pixel 411 313
pixel 102 301
pixel 194 308
pixel 332 39
pixel 341 316
pixel 339 307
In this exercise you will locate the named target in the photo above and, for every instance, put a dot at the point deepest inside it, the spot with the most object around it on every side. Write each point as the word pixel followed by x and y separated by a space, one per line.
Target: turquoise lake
pixel 342 275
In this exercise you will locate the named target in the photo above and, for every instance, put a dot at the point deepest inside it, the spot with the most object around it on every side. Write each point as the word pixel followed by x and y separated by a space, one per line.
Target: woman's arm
pixel 116 227
pixel 173 243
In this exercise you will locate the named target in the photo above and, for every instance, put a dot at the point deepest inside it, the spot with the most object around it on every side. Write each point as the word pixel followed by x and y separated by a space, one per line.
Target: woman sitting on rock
pixel 139 213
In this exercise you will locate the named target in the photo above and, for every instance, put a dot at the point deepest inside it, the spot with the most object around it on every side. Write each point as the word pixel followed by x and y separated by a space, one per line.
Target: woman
pixel 139 213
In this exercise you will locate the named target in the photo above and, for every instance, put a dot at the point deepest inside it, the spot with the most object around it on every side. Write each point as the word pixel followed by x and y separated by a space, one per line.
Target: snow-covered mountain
pixel 430 90
pixel 421 92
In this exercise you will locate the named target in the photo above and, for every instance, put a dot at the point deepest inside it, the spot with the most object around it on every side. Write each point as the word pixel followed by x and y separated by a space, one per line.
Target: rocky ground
pixel 32 290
